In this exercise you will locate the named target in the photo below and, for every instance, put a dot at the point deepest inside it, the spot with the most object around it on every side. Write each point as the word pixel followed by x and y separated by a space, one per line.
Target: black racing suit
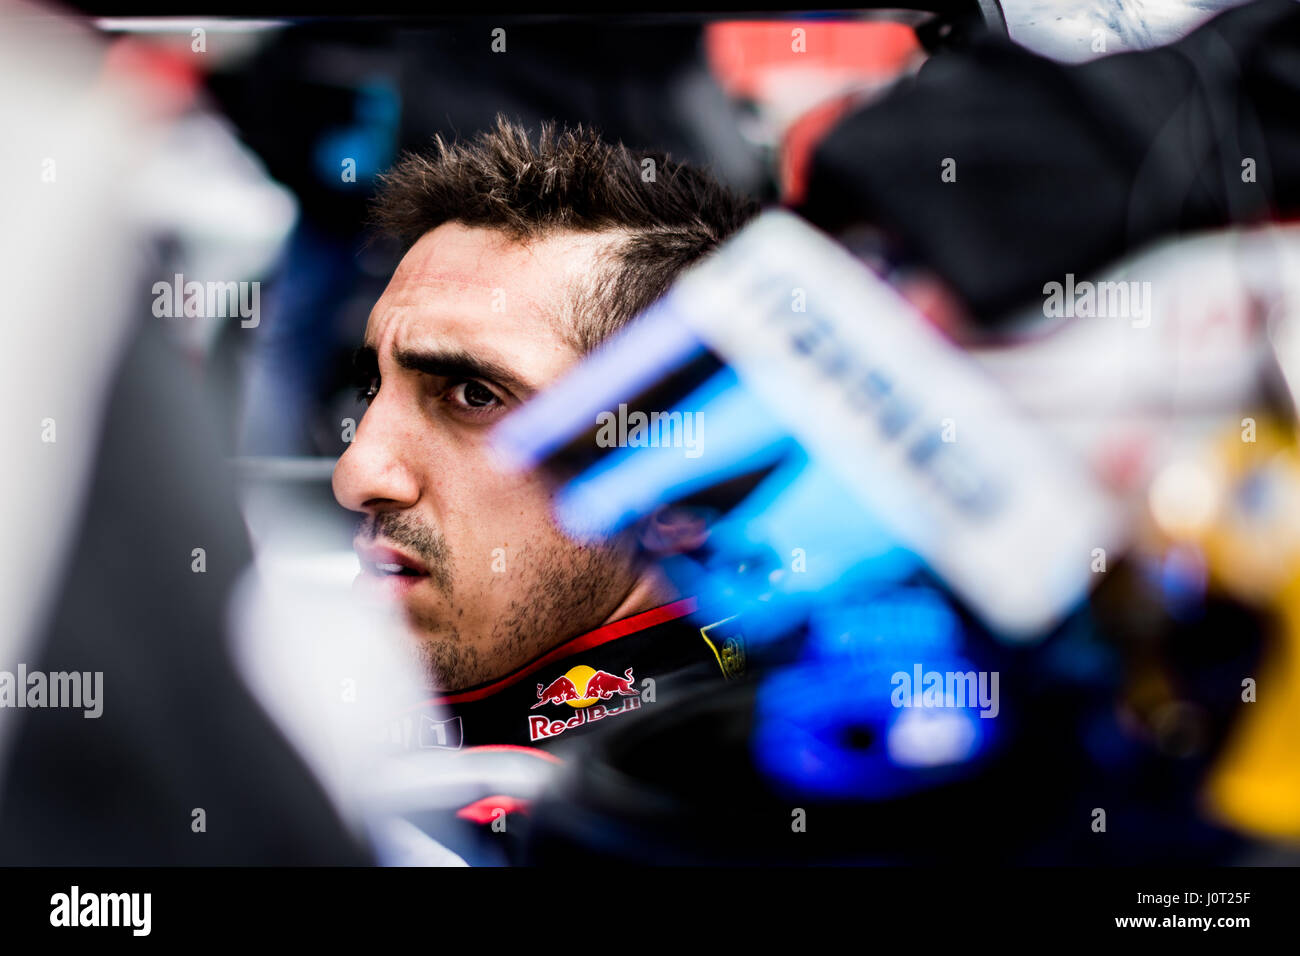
pixel 540 712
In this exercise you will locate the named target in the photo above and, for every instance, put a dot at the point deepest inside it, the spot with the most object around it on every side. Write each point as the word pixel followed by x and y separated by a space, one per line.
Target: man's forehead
pixel 481 283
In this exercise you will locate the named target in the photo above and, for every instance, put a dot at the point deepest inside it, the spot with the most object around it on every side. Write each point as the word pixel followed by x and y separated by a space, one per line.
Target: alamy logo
pixel 75 908
pixel 1101 300
pixel 656 430
pixel 946 689
pixel 210 300
pixel 26 688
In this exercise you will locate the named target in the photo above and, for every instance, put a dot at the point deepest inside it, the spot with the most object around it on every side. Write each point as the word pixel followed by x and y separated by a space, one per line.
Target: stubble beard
pixel 567 589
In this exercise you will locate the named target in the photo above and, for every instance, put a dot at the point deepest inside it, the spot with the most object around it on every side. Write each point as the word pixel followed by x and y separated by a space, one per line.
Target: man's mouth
pixel 393 569
pixel 383 562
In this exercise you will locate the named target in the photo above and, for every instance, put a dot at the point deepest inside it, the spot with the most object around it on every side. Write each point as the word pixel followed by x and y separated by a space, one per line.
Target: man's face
pixel 471 325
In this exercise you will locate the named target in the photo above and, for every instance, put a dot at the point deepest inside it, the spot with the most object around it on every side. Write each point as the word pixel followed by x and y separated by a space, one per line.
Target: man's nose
pixel 373 474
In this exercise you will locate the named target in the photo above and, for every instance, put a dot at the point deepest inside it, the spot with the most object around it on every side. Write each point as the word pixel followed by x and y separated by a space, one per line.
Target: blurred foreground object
pixel 124 541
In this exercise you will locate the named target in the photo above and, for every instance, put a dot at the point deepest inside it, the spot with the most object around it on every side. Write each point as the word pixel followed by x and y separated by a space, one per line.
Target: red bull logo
pixel 582 688
pixel 561 691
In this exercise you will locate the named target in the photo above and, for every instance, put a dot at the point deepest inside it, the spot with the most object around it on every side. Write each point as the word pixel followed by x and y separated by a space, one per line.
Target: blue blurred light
pixel 838 725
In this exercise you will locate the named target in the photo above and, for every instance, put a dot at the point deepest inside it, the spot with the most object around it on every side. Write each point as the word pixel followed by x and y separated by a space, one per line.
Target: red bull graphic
pixel 560 690
pixel 582 688
pixel 605 685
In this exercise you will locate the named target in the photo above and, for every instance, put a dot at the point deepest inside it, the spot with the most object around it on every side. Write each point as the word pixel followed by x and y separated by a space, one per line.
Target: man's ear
pixel 674 529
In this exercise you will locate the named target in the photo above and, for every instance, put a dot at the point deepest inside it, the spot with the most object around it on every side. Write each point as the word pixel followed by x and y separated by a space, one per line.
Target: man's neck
pixel 651 590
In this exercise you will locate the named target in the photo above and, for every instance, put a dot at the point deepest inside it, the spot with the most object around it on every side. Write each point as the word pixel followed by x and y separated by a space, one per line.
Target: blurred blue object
pixel 783 554
pixel 773 552
pixel 883 703
pixel 370 141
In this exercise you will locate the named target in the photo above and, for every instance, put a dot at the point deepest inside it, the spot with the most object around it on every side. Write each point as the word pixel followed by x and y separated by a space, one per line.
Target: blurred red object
pixel 742 54
pixel 171 76
pixel 804 75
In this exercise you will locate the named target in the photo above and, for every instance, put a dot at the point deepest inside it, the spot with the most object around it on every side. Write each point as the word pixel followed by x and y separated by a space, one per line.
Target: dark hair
pixel 570 180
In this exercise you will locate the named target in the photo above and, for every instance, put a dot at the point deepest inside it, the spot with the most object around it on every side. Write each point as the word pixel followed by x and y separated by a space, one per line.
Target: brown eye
pixel 474 395
pixel 366 393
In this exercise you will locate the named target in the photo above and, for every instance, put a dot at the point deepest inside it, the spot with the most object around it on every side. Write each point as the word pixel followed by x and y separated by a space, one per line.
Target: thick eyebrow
pixel 454 363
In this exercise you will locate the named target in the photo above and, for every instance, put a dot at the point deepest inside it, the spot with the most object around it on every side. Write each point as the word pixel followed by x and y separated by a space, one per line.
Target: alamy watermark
pixel 208 300
pixel 81 689
pixel 654 430
pixel 1100 300
pixel 974 689
pixel 75 908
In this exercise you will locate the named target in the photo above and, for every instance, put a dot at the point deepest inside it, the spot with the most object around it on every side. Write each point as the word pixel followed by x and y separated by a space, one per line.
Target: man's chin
pixel 446 665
